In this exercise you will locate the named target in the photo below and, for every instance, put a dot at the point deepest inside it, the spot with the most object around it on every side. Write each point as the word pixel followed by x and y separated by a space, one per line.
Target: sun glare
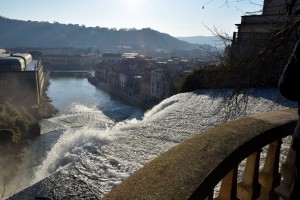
pixel 136 6
pixel 132 2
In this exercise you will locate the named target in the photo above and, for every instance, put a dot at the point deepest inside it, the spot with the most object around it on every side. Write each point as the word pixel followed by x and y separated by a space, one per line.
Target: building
pixel 160 87
pixel 255 31
pixel 145 86
pixel 129 82
pixel 70 62
pixel 111 57
pixel 22 79
pixel 59 51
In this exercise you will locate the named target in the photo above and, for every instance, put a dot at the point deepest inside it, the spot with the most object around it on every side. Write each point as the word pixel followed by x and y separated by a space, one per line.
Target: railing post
pixel 287 172
pixel 229 186
pixel 269 177
pixel 249 187
pixel 210 196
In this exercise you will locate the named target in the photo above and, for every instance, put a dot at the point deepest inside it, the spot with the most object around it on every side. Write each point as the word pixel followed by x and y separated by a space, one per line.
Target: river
pixel 99 140
pixel 79 104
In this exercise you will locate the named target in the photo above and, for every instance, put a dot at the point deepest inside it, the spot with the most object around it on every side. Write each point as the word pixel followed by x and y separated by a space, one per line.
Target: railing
pixel 210 165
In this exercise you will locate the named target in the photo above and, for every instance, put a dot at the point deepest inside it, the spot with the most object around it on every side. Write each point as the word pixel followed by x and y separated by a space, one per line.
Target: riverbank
pixel 20 124
pixel 19 128
pixel 82 108
pixel 136 101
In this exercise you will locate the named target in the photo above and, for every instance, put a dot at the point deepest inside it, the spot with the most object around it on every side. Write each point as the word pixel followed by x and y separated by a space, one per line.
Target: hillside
pixel 17 33
pixel 202 40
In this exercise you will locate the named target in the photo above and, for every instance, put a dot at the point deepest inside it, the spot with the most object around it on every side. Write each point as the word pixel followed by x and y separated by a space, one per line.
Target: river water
pixel 101 140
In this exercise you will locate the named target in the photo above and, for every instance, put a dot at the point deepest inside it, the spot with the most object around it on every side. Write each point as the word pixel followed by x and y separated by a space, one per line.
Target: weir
pixel 193 169
pixel 225 162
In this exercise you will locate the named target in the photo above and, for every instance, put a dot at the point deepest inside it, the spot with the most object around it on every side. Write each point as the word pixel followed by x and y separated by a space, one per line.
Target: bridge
pixel 249 158
pixel 70 72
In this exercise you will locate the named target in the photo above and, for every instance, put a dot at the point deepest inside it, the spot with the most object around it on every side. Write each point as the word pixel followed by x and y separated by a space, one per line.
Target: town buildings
pixel 140 77
pixel 68 59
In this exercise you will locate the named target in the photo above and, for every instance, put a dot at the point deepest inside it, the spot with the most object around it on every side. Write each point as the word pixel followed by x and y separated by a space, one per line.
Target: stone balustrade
pixel 237 160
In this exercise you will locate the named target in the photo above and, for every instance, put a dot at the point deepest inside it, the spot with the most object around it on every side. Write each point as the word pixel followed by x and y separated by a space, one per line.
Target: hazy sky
pixel 175 17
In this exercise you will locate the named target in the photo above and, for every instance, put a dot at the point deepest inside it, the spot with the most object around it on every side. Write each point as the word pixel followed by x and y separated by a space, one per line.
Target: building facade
pixel 74 62
pixel 255 31
pixel 159 85
pixel 22 79
pixel 111 57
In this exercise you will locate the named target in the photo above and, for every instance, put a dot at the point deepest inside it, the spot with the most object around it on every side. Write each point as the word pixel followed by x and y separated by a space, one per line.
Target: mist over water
pixel 101 141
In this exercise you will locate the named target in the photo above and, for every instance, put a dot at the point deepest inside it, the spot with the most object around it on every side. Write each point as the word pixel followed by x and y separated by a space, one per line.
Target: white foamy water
pixel 77 115
pixel 101 152
pixel 100 140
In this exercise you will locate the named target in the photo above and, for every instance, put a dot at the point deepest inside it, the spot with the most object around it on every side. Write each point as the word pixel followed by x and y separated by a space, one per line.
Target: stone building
pixel 255 31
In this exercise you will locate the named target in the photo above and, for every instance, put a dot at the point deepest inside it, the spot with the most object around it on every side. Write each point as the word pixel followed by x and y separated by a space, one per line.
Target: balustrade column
pixel 269 177
pixel 210 196
pixel 249 187
pixel 287 172
pixel 229 186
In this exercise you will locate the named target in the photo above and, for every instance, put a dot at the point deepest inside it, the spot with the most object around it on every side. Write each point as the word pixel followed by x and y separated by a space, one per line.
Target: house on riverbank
pixel 139 78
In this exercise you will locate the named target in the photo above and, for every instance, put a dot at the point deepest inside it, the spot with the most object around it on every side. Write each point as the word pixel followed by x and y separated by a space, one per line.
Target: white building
pixel 123 78
pixel 159 86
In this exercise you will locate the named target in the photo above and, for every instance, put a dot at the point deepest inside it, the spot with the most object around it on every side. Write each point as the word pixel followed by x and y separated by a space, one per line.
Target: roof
pixel 111 55
pixel 16 62
pixel 130 55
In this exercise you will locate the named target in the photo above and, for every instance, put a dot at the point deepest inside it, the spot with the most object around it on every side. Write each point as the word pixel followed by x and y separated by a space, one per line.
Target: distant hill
pixel 18 33
pixel 208 40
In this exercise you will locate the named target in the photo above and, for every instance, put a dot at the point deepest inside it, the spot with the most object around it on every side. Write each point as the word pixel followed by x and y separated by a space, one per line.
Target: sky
pixel 174 17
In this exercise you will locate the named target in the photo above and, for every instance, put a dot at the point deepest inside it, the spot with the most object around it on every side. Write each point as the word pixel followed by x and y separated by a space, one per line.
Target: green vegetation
pixel 17 127
pixel 199 79
pixel 15 123
pixel 19 124
pixel 254 71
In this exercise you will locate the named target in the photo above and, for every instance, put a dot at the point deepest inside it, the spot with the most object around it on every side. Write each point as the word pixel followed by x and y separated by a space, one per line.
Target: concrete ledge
pixel 194 167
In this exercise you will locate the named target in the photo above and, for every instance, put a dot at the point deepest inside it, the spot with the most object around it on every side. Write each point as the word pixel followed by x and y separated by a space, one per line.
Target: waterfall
pixel 87 144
